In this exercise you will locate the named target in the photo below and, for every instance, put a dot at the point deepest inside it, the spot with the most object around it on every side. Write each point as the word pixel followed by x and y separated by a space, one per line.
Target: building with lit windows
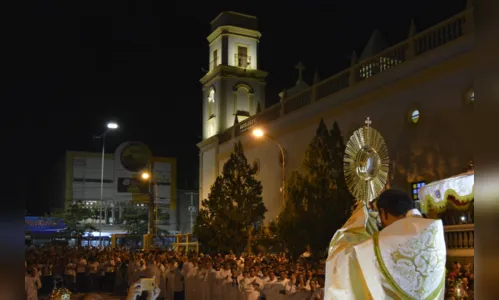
pixel 418 94
pixel 124 191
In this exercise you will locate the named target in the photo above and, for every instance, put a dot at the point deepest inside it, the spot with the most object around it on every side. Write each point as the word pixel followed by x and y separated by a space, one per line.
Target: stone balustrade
pixel 460 240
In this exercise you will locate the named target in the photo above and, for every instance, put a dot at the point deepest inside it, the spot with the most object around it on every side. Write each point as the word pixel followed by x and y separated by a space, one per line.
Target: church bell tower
pixel 234 87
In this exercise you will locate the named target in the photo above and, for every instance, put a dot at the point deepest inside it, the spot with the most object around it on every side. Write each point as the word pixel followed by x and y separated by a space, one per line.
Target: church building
pixel 418 94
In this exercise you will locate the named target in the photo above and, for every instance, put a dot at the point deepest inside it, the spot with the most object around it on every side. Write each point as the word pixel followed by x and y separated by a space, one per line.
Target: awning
pixel 457 191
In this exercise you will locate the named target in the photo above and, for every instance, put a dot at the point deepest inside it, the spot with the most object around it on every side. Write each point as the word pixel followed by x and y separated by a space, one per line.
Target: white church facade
pixel 418 94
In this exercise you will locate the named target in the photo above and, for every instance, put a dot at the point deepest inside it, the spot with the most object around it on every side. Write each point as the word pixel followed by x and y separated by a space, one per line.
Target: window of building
pixel 215 58
pixel 415 116
pixel 415 186
pixel 242 58
pixel 242 100
pixel 79 162
pixel 211 104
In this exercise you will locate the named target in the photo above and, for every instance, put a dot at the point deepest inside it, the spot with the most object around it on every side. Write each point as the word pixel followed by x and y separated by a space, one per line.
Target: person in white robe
pixel 277 291
pixel 405 260
pixel 191 282
pixel 231 288
pixel 251 284
pixel 211 277
pixel 204 286
pixel 225 281
pixel 32 283
pixel 170 279
pixel 162 284
pixel 153 271
pixel 186 268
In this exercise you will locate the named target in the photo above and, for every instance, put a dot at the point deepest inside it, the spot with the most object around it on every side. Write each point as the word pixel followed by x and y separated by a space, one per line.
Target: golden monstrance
pixel 366 163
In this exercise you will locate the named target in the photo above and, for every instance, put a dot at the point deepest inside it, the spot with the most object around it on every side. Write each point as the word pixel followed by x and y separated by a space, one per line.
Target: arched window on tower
pixel 243 99
pixel 211 104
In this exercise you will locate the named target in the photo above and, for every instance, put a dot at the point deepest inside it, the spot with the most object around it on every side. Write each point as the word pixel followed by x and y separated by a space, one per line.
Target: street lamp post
pixel 153 204
pixel 259 133
pixel 110 126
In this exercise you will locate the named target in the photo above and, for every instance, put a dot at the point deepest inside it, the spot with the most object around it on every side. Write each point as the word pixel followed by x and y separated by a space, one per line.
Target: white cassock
pixel 204 287
pixel 268 284
pixel 251 292
pixel 154 271
pixel 31 286
pixel 406 260
pixel 186 269
pixel 213 286
pixel 162 284
pixel 170 282
pixel 191 284
pixel 231 290
pixel 273 292
pixel 224 279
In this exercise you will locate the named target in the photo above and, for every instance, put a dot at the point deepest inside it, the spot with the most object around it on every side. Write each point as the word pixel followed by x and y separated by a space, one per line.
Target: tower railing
pixel 445 32
pixel 214 63
pixel 242 61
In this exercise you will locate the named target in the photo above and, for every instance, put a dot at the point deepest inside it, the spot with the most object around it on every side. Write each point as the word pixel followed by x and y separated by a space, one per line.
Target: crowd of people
pixel 178 276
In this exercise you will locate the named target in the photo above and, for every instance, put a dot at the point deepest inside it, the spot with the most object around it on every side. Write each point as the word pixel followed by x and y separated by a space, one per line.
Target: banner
pixel 43 224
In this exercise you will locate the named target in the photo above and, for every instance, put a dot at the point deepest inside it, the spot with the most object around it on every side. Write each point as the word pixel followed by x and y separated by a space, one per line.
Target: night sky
pixel 139 63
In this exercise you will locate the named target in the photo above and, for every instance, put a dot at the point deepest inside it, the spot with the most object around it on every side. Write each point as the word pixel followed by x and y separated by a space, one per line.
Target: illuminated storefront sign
pixel 43 224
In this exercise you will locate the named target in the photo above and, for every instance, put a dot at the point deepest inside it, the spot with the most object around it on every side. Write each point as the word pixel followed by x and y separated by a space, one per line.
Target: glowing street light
pixel 145 175
pixel 112 125
pixel 259 133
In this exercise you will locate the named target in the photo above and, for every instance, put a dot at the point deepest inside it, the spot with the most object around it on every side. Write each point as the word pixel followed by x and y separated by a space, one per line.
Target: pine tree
pixel 317 197
pixel 233 207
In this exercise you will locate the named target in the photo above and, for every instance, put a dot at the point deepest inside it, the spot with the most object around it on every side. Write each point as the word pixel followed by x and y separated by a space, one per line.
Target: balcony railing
pixel 242 61
pixel 441 34
pixel 214 63
pixel 460 239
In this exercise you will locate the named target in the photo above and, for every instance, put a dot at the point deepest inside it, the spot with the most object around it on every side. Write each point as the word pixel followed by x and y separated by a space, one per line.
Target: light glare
pixel 258 132
pixel 112 125
pixel 145 175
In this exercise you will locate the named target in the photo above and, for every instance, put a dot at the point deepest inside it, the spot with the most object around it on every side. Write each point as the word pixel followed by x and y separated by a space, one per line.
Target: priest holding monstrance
pixel 386 250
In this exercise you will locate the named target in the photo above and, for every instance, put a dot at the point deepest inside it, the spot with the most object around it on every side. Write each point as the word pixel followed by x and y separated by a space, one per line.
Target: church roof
pixel 376 44
pixel 300 85
pixel 232 18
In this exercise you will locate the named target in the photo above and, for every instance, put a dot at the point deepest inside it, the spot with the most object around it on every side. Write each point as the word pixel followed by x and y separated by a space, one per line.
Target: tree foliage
pixel 318 201
pixel 136 220
pixel 233 208
pixel 75 218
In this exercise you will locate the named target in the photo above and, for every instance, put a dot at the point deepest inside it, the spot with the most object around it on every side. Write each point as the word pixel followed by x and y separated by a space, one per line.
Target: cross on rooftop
pixel 300 67
pixel 368 121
